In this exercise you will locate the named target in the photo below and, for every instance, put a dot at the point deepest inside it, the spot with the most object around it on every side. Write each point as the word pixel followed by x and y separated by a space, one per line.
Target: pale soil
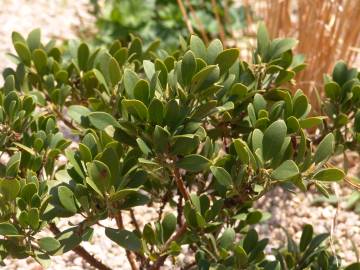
pixel 62 19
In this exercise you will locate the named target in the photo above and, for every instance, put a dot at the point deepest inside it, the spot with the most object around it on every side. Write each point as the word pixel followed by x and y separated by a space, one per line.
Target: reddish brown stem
pixel 219 23
pixel 129 254
pixel 180 184
pixel 198 22
pixel 79 250
pixel 133 220
pixel 186 18
pixel 160 260
pixel 180 210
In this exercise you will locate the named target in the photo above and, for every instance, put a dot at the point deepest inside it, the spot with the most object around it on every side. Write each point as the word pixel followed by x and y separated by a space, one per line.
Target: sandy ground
pixel 57 19
pixel 61 19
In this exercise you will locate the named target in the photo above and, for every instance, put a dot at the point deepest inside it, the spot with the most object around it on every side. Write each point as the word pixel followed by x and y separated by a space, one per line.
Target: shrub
pixel 342 103
pixel 197 130
pixel 342 90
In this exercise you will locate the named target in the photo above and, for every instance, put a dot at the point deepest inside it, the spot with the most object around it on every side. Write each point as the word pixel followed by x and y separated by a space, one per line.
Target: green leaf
pixel 239 90
pixel 121 56
pixel 101 120
pixel 188 67
pixel 300 106
pixel 9 84
pixel 292 124
pixel 100 78
pixel 228 106
pixel 114 71
pixel 136 108
pixel 68 239
pixel 135 47
pixel 124 238
pixel 10 188
pixel 205 78
pixel 77 112
pixel 263 40
pixel 226 240
pixel 325 148
pixel 274 137
pixel 100 175
pixel 110 157
pixel 49 244
pixel 156 111
pixel 222 176
pixel 226 59
pixel 85 153
pixel 142 91
pixel 67 199
pixel 285 171
pixel 357 122
pixel 168 226
pixel 329 174
pixel 130 80
pixel 122 194
pixel 250 240
pixel 341 73
pixel 332 90
pixel 8 229
pixel 42 258
pixel 184 144
pixel 33 39
pixel 40 60
pixel 143 147
pixel 241 150
pixel 149 69
pixel 12 167
pixel 198 47
pixel 24 53
pixel 83 54
pixel 306 237
pixel 311 122
pixel 257 139
pixel 161 139
pixel 28 191
pixel 214 49
pixel 17 37
pixel 279 46
pixel 134 200
pixel 193 163
pixel 33 218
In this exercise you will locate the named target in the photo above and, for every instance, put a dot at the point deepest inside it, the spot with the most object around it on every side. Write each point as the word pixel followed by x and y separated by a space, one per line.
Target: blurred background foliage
pixel 326 30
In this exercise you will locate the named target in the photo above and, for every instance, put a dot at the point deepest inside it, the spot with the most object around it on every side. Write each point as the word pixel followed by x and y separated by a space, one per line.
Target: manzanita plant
pixel 342 106
pixel 197 130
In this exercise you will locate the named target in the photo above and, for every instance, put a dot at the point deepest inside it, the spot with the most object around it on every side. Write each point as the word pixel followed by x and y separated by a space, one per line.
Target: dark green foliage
pixel 199 130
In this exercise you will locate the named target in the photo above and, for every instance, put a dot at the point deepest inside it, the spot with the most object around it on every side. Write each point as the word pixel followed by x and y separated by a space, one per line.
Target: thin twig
pixel 180 209
pixel 133 220
pixel 186 18
pixel 219 23
pixel 83 253
pixel 333 226
pixel 66 122
pixel 180 184
pixel 129 254
pixel 185 194
pixel 198 22
pixel 160 260
pixel 163 204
